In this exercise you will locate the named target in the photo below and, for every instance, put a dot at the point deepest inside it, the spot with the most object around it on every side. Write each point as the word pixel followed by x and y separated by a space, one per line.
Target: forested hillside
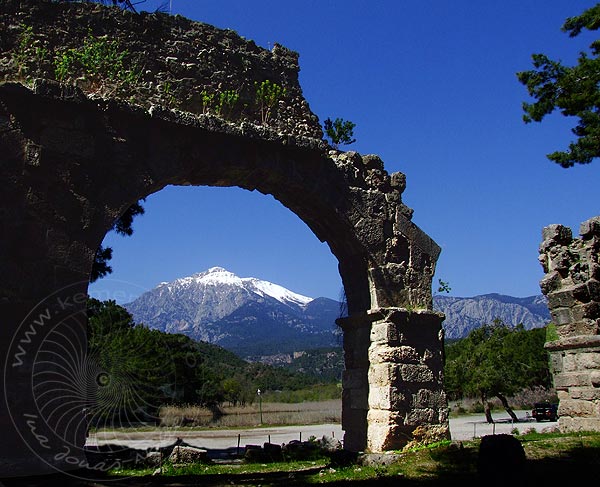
pixel 136 370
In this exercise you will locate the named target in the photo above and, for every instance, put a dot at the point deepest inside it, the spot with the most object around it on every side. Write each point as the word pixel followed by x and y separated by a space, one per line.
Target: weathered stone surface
pixel 572 287
pixel 188 454
pixel 586 393
pixel 577 408
pixel 590 228
pixel 77 154
pixel 568 424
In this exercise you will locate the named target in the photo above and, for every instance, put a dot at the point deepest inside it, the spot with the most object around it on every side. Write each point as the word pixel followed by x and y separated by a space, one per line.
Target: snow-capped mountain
pixel 256 318
pixel 248 316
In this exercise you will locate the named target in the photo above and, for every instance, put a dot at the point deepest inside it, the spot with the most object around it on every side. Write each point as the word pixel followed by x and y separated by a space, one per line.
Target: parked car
pixel 545 411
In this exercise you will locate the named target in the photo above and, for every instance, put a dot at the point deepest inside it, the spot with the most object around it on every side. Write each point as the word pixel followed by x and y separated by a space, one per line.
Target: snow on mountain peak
pixel 216 276
pixel 280 293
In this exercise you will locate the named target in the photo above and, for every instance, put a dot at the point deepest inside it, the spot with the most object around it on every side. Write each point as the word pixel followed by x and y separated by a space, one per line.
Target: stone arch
pixel 75 162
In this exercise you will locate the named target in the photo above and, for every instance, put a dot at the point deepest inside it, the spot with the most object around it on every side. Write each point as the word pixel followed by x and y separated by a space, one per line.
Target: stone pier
pixel 77 153
pixel 572 286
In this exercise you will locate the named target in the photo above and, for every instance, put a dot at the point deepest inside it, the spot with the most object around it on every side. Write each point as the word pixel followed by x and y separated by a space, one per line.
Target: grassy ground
pixel 274 414
pixel 551 459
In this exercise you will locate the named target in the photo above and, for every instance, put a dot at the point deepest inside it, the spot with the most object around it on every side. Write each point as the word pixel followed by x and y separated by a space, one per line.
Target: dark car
pixel 545 411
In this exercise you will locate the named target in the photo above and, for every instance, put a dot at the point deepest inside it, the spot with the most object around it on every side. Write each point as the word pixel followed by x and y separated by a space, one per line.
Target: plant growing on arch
pixel 339 131
pixel 267 96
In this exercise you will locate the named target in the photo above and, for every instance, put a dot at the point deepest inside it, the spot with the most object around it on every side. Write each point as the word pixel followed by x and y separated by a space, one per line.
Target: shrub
pixel 339 131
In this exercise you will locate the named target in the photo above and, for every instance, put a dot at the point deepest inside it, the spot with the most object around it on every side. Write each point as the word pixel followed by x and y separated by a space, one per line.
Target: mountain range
pixel 257 319
pixel 247 316
pixel 465 314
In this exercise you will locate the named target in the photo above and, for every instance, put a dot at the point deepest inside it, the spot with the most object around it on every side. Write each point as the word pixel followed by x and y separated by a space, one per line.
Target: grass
pixel 552 459
pixel 169 470
pixel 273 414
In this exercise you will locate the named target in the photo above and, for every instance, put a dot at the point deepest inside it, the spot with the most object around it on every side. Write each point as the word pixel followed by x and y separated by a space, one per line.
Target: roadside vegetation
pixel 496 364
pixel 141 372
pixel 551 459
pixel 172 380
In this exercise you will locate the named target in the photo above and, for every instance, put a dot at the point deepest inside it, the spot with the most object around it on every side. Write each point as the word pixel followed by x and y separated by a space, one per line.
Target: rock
pixel 187 454
pixel 501 460
pixel 153 459
pixel 329 444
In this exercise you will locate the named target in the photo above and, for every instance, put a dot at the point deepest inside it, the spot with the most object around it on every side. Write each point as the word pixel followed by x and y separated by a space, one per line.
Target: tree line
pixel 136 370
pixel 496 360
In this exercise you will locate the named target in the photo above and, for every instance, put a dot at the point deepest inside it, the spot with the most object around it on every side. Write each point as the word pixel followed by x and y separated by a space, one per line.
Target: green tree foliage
pixel 136 370
pixel 339 131
pixel 123 226
pixel 573 90
pixel 444 287
pixel 139 369
pixel 496 360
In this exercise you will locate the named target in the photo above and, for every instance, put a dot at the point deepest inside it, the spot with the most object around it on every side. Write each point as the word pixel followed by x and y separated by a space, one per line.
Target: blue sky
pixel 431 86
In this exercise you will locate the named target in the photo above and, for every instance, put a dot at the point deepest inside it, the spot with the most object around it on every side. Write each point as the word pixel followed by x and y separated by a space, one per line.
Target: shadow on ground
pixel 453 466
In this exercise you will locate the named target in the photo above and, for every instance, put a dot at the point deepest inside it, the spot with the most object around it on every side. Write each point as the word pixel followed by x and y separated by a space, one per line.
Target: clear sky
pixel 431 86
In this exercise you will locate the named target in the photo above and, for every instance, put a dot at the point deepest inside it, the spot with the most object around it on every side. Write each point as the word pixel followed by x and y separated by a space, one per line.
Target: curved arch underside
pixel 73 161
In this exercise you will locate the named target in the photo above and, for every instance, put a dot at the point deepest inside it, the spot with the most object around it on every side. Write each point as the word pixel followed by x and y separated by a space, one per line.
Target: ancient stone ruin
pixel 572 286
pixel 179 105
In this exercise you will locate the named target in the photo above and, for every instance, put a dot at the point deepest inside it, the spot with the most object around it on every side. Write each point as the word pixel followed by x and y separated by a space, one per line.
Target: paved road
pixel 215 439
pixel 475 425
pixel 463 428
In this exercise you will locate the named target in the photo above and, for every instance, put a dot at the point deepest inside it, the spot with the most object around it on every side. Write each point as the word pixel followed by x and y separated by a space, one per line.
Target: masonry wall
pixel 169 61
pixel 572 286
pixel 76 154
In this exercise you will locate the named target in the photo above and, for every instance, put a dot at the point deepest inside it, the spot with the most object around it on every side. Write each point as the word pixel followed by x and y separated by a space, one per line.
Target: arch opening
pixel 78 161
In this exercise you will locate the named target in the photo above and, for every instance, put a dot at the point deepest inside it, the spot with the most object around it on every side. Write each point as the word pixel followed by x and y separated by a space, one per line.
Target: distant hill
pixel 465 314
pixel 263 322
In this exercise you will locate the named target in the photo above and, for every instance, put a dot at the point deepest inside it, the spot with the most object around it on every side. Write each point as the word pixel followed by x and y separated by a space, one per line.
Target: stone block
pixel 589 360
pixel 383 438
pixel 594 289
pixel 590 228
pixel 426 398
pixel 585 393
pixel 187 454
pixel 571 329
pixel 383 374
pixel 416 373
pixel 556 234
pixel 561 316
pixel 418 416
pixel 389 398
pixel 569 425
pixel 556 362
pixel 567 297
pixel 589 310
pixel 577 408
pixel 385 354
pixel 572 379
pixel 353 418
pixel 570 362
pixel 386 417
pixel 359 399
pixel 551 281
